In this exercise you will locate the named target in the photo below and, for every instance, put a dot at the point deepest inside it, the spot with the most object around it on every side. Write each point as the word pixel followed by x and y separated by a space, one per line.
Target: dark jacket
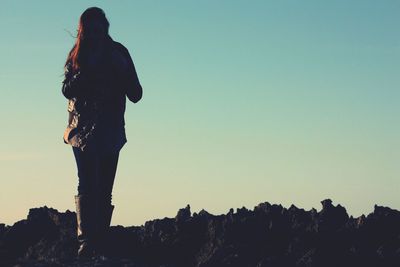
pixel 96 100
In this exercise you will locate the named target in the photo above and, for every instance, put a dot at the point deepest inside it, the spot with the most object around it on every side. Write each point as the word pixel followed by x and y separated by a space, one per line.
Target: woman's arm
pixel 134 90
pixel 131 83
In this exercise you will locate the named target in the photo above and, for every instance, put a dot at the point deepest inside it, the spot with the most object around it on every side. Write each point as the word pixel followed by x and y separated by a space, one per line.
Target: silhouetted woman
pixel 99 74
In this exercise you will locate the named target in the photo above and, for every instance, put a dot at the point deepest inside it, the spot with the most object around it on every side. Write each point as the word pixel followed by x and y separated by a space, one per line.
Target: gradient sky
pixel 244 102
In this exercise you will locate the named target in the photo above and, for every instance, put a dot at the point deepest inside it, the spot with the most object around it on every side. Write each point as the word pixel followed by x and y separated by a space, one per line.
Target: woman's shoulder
pixel 117 46
pixel 119 55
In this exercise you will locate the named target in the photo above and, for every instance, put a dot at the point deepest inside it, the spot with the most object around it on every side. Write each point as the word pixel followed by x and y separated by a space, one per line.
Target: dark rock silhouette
pixel 269 235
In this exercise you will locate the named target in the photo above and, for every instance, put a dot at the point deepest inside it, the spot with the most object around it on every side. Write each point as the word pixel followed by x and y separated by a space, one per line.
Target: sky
pixel 244 102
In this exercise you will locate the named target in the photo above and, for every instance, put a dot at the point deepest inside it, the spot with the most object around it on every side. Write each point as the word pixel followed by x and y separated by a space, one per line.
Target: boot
pixel 86 219
pixel 103 227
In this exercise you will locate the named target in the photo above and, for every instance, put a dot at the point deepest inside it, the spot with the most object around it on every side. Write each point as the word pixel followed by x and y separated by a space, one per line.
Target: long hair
pixel 78 53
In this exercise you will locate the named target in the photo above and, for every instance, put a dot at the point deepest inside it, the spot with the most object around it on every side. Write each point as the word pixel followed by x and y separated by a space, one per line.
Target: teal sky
pixel 243 102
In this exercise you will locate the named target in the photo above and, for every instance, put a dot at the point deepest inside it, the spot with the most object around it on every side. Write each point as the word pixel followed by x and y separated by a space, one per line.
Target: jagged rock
pixel 268 235
pixel 183 214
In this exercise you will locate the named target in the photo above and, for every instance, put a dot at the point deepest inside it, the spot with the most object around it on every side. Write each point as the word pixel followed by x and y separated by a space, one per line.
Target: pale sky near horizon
pixel 289 102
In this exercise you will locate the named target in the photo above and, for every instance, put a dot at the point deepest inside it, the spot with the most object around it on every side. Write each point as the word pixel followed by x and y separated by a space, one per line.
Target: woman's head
pixel 93 25
pixel 92 29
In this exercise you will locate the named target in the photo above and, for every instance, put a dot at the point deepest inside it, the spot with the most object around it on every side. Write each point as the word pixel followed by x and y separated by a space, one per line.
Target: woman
pixel 99 75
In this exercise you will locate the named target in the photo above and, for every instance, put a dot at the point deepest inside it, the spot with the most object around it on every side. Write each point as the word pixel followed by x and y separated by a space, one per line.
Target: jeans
pixel 96 172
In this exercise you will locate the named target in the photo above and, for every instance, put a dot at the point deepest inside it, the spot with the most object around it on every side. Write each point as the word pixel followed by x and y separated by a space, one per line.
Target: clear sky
pixel 244 102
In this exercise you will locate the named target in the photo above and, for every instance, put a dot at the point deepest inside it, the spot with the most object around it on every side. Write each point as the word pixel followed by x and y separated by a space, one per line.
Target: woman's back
pixel 102 121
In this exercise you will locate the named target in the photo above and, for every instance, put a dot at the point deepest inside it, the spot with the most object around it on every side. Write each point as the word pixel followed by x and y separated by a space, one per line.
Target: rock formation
pixel 267 236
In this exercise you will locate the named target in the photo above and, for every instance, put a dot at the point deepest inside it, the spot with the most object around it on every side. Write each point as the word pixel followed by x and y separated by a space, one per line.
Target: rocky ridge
pixel 268 235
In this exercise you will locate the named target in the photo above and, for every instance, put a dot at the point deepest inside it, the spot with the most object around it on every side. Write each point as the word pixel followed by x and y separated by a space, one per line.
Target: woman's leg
pixel 85 200
pixel 108 162
pixel 87 166
pixel 107 169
